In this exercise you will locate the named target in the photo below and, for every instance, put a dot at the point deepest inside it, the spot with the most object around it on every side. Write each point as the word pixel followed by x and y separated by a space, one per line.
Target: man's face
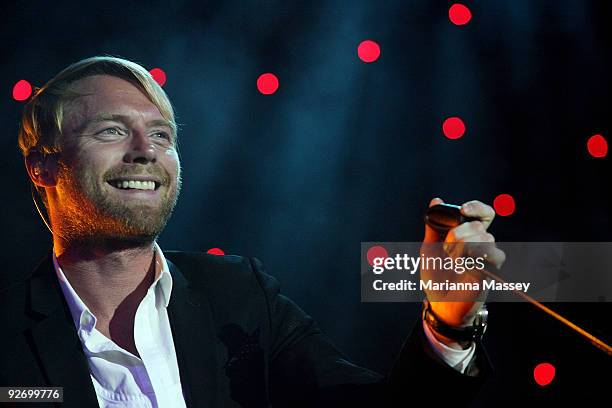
pixel 119 175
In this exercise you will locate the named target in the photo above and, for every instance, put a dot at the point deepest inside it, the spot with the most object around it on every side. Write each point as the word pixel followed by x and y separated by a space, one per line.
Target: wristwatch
pixel 468 333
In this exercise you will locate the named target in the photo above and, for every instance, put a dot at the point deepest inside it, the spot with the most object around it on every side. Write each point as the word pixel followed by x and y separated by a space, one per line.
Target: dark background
pixel 347 152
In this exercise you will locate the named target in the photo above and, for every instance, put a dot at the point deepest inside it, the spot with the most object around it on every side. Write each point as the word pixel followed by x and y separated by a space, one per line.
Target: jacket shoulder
pixel 223 277
pixel 13 307
pixel 200 268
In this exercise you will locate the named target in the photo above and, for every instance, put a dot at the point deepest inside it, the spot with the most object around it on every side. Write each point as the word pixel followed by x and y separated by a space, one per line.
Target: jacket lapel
pixel 59 349
pixel 195 341
pixel 55 339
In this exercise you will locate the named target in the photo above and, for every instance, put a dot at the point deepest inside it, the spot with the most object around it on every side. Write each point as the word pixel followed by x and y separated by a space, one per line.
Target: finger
pixel 431 235
pixel 479 238
pixel 483 245
pixel 496 257
pixel 470 239
pixel 436 201
pixel 493 256
pixel 476 209
pixel 465 230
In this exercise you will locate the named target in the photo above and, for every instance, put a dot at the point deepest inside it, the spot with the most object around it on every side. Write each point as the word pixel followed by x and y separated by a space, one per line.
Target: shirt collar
pixel 164 278
pixel 83 318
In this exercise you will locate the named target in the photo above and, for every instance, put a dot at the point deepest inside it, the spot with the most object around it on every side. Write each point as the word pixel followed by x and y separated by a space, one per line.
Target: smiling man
pixel 117 322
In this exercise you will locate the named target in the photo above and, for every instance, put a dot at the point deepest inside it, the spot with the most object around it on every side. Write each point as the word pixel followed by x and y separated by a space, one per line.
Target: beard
pixel 92 215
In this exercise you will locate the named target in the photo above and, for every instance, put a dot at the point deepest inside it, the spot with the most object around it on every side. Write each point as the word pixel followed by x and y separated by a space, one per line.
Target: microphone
pixel 444 217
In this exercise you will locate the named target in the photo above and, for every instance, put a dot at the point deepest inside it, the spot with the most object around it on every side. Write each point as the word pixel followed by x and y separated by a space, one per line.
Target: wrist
pixel 455 336
pixel 447 341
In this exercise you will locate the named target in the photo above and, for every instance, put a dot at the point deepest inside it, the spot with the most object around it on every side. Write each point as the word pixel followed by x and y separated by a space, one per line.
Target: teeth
pixel 135 184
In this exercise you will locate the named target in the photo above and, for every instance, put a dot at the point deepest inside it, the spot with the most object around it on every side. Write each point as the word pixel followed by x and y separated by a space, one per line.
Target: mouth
pixel 135 183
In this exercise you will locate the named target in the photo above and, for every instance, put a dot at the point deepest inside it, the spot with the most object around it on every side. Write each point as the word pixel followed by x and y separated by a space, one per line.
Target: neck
pixel 112 279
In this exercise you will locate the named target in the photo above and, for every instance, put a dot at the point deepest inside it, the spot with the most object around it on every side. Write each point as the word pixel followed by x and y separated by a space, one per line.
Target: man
pixel 117 322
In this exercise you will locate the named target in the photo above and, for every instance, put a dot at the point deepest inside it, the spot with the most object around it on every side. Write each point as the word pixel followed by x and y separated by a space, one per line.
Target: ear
pixel 42 168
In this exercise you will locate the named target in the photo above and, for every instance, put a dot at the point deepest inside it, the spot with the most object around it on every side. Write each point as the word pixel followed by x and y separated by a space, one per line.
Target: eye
pixel 162 135
pixel 110 131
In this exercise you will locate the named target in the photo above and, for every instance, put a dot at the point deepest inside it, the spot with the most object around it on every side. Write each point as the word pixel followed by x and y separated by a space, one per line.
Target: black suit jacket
pixel 239 342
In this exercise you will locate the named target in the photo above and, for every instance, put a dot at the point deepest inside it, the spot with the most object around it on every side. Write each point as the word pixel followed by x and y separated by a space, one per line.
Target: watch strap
pixel 475 332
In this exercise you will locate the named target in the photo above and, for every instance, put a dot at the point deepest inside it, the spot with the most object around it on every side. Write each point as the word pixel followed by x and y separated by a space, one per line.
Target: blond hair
pixel 41 123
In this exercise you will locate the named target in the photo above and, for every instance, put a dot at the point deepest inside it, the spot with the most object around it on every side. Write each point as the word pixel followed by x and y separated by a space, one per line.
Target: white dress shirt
pixel 121 379
pixel 458 359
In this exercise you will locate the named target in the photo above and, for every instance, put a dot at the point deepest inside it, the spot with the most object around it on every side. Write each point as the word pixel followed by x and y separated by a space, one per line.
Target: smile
pixel 134 184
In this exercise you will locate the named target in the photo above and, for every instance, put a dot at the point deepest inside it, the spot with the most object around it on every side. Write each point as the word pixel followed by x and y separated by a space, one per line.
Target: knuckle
pixel 499 258
pixel 476 225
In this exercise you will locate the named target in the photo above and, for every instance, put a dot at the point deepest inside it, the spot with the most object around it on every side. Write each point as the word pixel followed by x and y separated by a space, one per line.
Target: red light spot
pixel 376 252
pixel 459 14
pixel 158 75
pixel 544 373
pixel 453 128
pixel 504 205
pixel 215 251
pixel 267 83
pixel 597 146
pixel 368 51
pixel 22 90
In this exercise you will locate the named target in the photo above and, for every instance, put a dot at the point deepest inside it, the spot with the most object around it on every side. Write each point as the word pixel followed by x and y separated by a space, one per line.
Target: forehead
pixel 107 94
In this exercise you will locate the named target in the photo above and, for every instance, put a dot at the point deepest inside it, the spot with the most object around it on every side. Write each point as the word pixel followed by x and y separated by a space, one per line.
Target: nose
pixel 141 149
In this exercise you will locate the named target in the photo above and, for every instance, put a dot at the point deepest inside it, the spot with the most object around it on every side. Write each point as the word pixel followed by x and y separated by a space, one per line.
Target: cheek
pixel 172 162
pixel 92 165
pixel 171 154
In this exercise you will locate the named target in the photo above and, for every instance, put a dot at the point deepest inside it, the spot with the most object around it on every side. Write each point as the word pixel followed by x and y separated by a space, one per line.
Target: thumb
pixel 431 235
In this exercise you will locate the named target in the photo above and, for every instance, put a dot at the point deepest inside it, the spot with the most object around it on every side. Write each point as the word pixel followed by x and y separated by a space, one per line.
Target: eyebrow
pixel 114 117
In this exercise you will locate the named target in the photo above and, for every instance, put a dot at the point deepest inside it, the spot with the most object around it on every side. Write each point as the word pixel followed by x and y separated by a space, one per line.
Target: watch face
pixel 469 333
pixel 482 316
